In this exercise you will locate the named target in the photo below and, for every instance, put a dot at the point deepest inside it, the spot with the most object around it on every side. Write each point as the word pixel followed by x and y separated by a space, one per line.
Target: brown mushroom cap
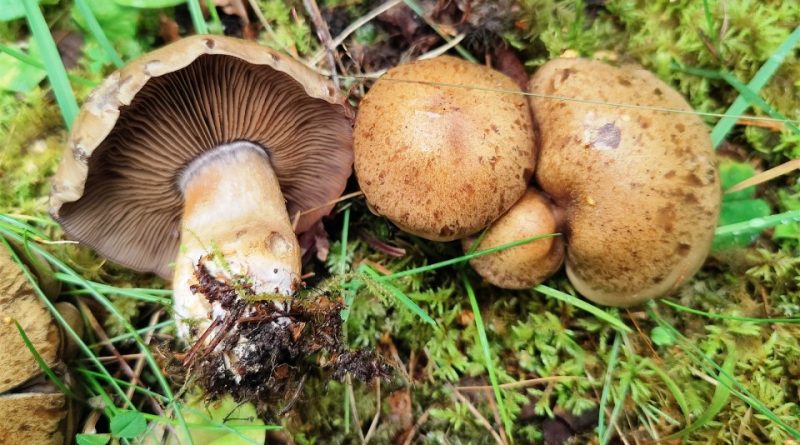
pixel 19 302
pixel 33 418
pixel 116 188
pixel 527 265
pixel 443 161
pixel 640 187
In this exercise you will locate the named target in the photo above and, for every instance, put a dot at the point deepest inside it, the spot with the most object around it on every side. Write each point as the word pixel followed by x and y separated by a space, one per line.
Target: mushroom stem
pixel 235 224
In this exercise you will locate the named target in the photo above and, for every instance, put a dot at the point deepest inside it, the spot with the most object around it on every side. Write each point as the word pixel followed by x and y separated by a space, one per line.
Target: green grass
pixel 56 73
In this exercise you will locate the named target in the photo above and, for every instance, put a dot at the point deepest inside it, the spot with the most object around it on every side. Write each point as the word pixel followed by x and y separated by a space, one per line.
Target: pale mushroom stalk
pixel 233 206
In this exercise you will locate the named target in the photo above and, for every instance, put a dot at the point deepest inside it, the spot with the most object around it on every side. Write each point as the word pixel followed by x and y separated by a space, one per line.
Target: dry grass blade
pixel 324 35
pixel 353 27
pixel 766 175
pixel 478 416
pixel 522 383
pixel 374 425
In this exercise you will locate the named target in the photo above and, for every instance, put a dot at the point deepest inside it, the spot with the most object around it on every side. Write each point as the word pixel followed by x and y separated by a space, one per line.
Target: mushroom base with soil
pixel 235 284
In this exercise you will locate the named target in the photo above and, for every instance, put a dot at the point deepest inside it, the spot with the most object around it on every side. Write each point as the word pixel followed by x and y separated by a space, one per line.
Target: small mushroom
pixel 211 143
pixel 441 149
pixel 527 265
pixel 639 184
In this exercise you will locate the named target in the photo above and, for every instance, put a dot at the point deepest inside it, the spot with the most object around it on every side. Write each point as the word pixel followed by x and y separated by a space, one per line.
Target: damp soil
pixel 262 351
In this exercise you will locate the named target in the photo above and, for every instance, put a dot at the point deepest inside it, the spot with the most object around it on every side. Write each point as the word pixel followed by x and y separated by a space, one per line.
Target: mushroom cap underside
pixel 117 190
pixel 441 148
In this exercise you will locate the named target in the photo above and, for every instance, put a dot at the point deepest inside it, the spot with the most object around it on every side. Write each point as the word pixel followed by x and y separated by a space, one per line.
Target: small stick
pixel 353 408
pixel 139 366
pixel 124 366
pixel 199 343
pixel 316 58
pixel 324 35
pixel 413 432
pixel 482 420
pixel 521 383
pixel 374 425
pixel 496 412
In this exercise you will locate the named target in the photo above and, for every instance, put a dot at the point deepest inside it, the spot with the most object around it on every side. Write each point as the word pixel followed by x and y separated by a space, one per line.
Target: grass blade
pixel 615 322
pixel 487 356
pixel 464 258
pixel 761 78
pixel 97 32
pixel 42 364
pixel 604 396
pixel 24 58
pixel 198 21
pixel 689 310
pixel 56 73
pixel 758 224
pixel 397 293
pixel 721 397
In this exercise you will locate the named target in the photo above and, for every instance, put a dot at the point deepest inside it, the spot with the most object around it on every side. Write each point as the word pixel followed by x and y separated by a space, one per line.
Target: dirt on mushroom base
pixel 261 350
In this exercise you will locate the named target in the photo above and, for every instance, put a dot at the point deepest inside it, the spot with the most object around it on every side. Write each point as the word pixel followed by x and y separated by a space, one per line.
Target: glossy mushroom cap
pixel 640 187
pixel 443 161
pixel 117 190
pixel 527 265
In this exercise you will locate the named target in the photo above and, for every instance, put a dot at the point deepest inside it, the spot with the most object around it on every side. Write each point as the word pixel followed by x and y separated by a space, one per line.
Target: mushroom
pixel 210 143
pixel 527 265
pixel 441 149
pixel 34 418
pixel 19 303
pixel 35 412
pixel 639 184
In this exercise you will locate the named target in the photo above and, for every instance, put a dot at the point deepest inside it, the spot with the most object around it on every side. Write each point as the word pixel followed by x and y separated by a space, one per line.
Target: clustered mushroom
pixel 634 190
pixel 212 152
pixel 443 161
pixel 40 411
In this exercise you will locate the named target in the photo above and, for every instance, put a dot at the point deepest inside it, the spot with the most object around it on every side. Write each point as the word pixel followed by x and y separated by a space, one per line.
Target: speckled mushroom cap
pixel 527 265
pixel 640 187
pixel 443 161
pixel 115 189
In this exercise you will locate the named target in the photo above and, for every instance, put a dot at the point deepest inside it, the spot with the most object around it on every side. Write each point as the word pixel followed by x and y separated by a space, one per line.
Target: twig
pixel 363 20
pixel 124 366
pixel 496 413
pixel 766 175
pixel 374 425
pixel 140 362
pixel 521 383
pixel 353 408
pixel 482 420
pixel 324 35
pixel 413 432
pixel 436 52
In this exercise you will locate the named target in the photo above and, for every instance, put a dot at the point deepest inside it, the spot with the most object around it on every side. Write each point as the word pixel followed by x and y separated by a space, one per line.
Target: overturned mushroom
pixel 527 265
pixel 441 148
pixel 639 184
pixel 212 143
